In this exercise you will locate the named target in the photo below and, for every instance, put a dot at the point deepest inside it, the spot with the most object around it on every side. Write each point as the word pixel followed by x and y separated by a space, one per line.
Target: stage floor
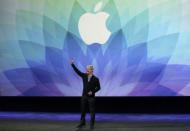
pixel 27 121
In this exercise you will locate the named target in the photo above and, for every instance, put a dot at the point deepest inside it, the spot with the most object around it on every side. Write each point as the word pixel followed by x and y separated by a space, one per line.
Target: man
pixel 91 85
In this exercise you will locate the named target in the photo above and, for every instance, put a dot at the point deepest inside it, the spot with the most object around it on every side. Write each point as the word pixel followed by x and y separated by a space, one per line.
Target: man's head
pixel 89 69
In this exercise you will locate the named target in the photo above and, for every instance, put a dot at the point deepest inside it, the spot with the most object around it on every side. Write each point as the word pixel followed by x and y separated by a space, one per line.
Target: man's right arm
pixel 81 74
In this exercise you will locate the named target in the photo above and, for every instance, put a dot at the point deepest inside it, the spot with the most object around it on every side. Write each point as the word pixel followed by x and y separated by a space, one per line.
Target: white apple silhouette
pixel 92 26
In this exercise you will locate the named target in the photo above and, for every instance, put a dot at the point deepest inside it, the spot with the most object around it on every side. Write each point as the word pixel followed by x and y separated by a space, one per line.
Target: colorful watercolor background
pixel 148 53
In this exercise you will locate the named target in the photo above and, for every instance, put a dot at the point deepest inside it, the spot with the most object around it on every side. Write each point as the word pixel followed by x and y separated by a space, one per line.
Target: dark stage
pixel 28 121
pixel 113 114
pixel 161 104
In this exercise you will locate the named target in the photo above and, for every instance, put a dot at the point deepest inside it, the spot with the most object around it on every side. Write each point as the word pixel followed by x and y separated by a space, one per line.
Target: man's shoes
pixel 81 125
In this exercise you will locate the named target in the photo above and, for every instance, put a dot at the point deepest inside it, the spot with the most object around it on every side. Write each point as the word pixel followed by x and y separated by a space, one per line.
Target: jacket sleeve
pixel 81 74
pixel 97 87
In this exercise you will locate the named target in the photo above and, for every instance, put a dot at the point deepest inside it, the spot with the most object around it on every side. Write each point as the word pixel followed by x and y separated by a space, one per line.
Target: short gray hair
pixel 90 67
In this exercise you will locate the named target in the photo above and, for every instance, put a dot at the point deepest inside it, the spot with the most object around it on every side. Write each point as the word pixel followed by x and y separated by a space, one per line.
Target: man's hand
pixel 90 93
pixel 72 61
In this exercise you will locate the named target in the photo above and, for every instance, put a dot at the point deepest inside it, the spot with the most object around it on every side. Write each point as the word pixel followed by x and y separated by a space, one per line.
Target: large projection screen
pixel 137 47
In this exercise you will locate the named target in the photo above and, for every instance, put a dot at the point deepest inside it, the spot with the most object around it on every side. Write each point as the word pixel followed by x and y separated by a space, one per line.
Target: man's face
pixel 89 71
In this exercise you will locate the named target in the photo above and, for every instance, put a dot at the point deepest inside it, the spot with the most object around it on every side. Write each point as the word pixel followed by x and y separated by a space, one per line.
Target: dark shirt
pixel 92 85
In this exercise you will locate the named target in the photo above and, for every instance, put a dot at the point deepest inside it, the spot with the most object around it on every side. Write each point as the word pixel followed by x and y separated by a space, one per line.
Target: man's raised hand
pixel 72 61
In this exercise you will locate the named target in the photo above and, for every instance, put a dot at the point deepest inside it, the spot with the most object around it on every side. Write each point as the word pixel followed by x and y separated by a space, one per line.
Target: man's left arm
pixel 97 87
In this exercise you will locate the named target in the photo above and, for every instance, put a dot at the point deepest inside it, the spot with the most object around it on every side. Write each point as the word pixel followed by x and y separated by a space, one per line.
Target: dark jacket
pixel 93 85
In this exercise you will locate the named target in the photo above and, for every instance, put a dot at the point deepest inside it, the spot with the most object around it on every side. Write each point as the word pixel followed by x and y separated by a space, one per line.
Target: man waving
pixel 91 85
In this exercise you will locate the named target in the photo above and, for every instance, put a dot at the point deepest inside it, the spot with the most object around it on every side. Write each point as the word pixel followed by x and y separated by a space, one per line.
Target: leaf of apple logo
pixel 92 26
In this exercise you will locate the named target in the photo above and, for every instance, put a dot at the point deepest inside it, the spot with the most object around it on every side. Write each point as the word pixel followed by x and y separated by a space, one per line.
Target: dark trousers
pixel 88 102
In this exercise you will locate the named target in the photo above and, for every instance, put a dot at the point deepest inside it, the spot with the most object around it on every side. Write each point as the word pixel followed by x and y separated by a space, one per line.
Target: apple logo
pixel 92 26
